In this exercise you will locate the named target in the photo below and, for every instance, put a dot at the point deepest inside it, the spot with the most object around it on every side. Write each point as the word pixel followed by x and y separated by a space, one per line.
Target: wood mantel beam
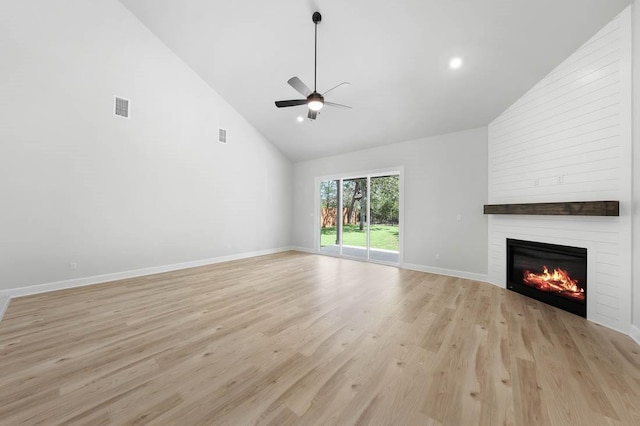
pixel 576 208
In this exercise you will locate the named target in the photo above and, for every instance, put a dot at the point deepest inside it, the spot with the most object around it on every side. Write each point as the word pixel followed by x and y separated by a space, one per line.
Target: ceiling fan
pixel 314 100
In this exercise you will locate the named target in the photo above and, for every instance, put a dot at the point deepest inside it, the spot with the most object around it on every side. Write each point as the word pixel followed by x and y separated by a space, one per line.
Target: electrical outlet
pixel 459 217
pixel 437 255
pixel 73 266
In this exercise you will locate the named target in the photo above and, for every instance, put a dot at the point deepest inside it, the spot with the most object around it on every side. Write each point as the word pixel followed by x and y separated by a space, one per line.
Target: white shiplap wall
pixel 569 139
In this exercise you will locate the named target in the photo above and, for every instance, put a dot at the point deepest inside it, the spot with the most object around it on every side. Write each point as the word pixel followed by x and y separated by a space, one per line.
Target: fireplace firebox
pixel 550 273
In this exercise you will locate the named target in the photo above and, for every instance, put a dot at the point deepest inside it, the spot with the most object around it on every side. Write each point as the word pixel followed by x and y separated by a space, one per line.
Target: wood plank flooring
pixel 296 338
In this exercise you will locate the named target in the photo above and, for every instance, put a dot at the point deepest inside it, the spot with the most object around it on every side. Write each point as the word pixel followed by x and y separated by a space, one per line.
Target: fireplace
pixel 550 273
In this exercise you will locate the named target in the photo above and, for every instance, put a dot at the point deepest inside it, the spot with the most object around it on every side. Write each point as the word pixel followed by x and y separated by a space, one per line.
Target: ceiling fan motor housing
pixel 315 101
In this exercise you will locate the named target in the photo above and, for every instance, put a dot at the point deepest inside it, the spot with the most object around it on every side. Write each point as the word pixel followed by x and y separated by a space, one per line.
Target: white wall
pixel 569 139
pixel 78 184
pixel 636 169
pixel 444 176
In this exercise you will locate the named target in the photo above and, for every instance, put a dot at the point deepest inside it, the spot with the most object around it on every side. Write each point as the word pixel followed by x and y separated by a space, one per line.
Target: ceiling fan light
pixel 315 105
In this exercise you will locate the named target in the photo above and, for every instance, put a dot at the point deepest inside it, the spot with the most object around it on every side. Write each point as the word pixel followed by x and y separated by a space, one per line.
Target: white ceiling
pixel 394 54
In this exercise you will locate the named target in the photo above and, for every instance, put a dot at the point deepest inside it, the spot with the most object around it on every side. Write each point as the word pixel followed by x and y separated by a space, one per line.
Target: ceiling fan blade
pixel 297 84
pixel 333 104
pixel 335 87
pixel 312 114
pixel 293 102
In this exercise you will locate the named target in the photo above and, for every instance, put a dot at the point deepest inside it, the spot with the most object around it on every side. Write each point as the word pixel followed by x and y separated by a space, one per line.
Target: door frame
pixel 368 174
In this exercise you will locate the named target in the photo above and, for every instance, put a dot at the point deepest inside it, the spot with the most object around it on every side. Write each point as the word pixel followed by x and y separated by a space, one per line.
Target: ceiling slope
pixel 394 54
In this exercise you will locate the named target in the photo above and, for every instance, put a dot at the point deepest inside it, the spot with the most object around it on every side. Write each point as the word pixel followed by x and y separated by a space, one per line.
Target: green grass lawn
pixel 382 236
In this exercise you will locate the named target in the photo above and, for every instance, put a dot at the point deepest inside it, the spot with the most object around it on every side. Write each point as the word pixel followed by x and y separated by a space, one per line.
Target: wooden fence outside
pixel 329 217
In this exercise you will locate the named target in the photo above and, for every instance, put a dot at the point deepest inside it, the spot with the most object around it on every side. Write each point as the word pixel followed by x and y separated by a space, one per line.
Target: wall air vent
pixel 222 136
pixel 121 107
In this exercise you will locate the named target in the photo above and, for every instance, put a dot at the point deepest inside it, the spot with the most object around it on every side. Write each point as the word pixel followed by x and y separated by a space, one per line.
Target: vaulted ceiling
pixel 395 55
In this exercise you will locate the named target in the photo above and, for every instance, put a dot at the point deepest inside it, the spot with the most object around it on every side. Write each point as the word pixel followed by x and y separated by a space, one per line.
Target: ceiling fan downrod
pixel 316 20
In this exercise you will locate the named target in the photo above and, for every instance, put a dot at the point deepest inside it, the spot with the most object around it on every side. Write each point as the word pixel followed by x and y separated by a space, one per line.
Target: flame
pixel 558 282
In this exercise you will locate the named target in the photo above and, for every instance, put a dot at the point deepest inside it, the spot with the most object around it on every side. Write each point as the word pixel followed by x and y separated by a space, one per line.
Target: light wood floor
pixel 302 339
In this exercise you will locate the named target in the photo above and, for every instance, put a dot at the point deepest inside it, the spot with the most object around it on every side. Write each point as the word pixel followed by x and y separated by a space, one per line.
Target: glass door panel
pixel 384 228
pixel 354 235
pixel 329 218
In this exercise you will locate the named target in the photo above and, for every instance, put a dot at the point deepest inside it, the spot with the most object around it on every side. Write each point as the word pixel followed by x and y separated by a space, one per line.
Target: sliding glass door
pixel 354 229
pixel 329 217
pixel 385 218
pixel 360 217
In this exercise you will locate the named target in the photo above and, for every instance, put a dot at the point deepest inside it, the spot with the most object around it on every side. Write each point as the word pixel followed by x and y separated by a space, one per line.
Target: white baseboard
pixel 634 332
pixel 448 272
pixel 6 295
pixel 304 250
pixel 4 304
pixel 497 284
pixel 621 330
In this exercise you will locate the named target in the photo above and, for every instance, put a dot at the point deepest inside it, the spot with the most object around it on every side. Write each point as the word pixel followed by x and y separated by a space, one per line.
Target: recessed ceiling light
pixel 455 63
pixel 300 119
